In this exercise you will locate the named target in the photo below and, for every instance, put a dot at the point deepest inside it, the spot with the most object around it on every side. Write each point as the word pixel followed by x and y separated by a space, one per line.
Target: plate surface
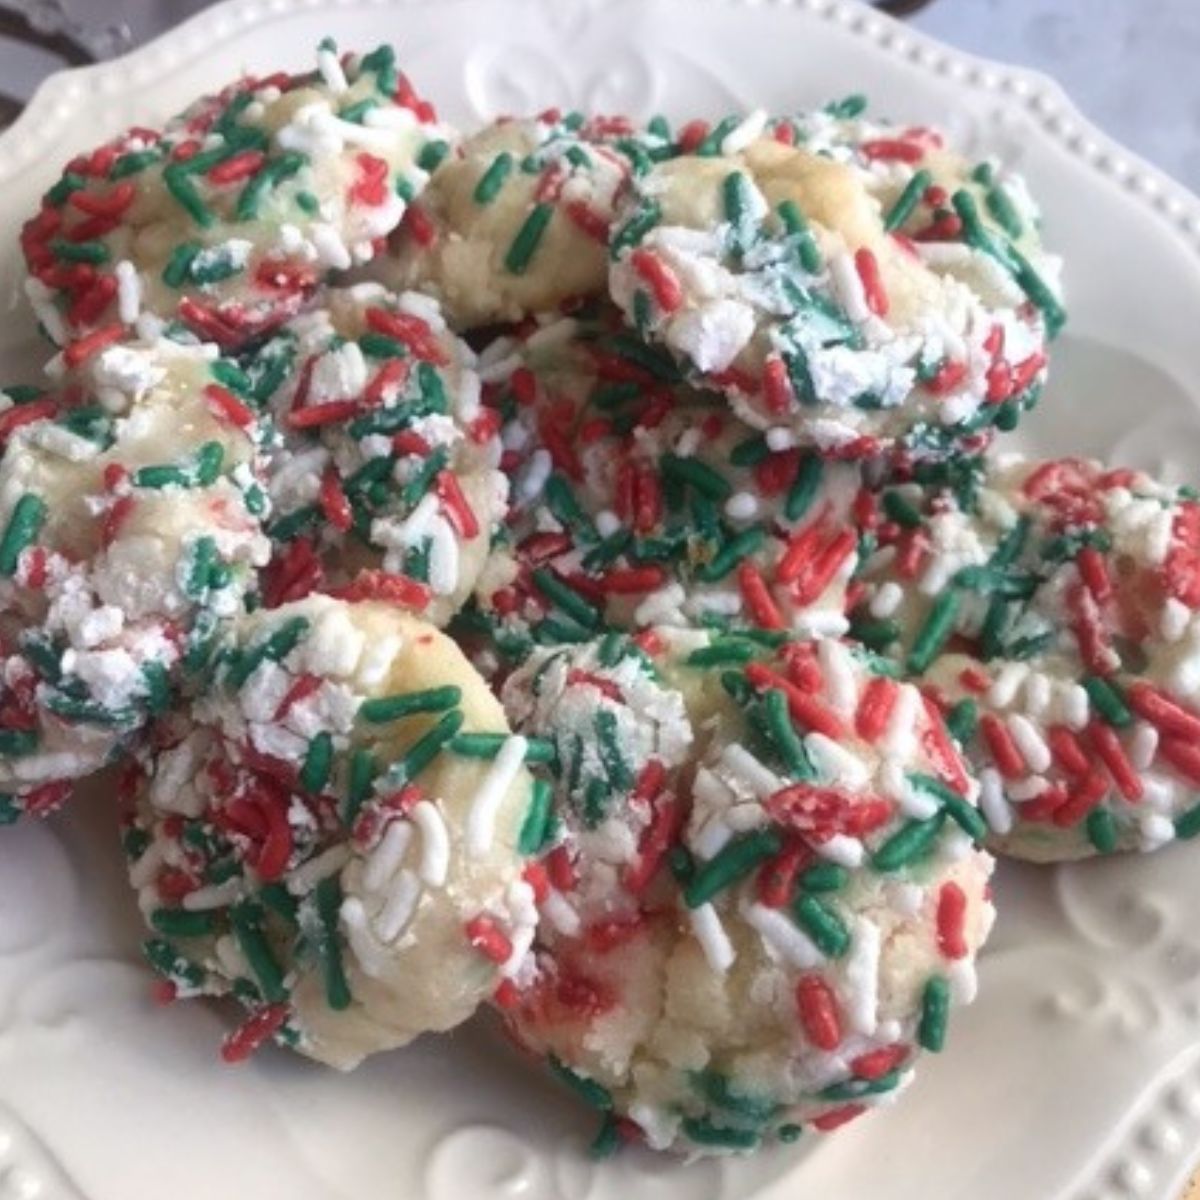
pixel 1075 1076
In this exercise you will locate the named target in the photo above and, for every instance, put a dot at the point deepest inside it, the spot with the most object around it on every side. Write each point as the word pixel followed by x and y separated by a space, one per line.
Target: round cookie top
pixel 387 460
pixel 639 501
pixel 1054 604
pixel 332 834
pixel 763 895
pixel 130 531
pixel 515 221
pixel 848 285
pixel 228 219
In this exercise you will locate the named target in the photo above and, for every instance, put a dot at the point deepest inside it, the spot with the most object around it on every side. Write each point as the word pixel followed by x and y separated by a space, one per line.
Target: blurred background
pixel 1131 65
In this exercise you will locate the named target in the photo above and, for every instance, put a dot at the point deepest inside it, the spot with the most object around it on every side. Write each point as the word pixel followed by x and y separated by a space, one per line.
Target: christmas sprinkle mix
pixel 763 892
pixel 333 835
pixel 516 220
pixel 1053 606
pixel 130 534
pixel 227 220
pixel 848 285
pixel 386 460
pixel 638 501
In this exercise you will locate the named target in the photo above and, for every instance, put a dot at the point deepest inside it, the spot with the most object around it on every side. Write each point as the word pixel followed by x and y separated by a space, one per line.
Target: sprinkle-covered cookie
pixel 386 459
pixel 763 896
pixel 130 531
pixel 516 220
pixel 228 219
pixel 639 501
pixel 1053 604
pixel 850 286
pixel 334 834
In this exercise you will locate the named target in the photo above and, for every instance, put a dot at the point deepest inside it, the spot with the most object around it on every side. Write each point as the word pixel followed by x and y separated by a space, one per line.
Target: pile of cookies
pixel 570 569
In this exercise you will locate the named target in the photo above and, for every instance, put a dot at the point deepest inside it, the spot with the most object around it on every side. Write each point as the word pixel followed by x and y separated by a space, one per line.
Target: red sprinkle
pixel 804 708
pixel 80 350
pixel 659 278
pixel 386 586
pixel 1164 712
pixel 1108 746
pixel 595 225
pixel 875 707
pixel 227 407
pixel 632 581
pixel 314 415
pixel 1079 801
pixel 837 1117
pixel 1066 750
pixel 819 1012
pixel 489 939
pixel 334 502
pixel 777 385
pixel 1008 759
pixel 26 414
pixel 757 597
pixel 875 1064
pixel 867 266
pixel 893 150
pixel 304 687
pixel 776 883
pixel 261 1027
pixel 410 330
pixel 419 225
pixel 951 921
pixel 240 166
pixel 458 509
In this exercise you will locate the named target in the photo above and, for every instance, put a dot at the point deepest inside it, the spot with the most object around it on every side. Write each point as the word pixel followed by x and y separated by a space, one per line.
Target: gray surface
pixel 1132 65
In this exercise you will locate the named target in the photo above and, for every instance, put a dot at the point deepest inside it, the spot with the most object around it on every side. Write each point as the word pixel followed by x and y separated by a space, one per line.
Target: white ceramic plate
pixel 1076 1074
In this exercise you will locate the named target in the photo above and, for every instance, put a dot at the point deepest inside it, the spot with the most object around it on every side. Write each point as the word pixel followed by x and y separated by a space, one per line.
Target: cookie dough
pixel 763 896
pixel 386 461
pixel 130 532
pixel 228 219
pixel 851 287
pixel 333 834
pixel 640 501
pixel 516 220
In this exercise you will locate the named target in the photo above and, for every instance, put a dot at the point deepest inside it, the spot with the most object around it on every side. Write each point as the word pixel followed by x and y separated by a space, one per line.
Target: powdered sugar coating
pixel 743 935
pixel 320 839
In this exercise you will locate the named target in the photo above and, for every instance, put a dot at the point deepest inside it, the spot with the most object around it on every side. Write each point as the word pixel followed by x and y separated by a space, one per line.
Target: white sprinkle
pixel 1156 831
pixel 371 956
pixel 1006 684
pixel 1030 742
pixel 992 802
pixel 218 896
pixel 481 819
pixel 378 656
pixel 713 939
pixel 849 287
pixel 1075 705
pixel 838 666
pixel 560 913
pixel 886 600
pixel 845 851
pixel 533 478
pixel 331 71
pixel 1143 745
pixel 129 292
pixel 1030 787
pixel 749 130
pixel 762 781
pixel 1174 620
pixel 399 908
pixel 145 870
pixel 387 855
pixel 835 763
pixel 964 981
pixel 741 506
pixel 1037 694
pixel 783 938
pixel 915 803
pixel 523 911
pixel 712 838
pixel 860 995
pixel 306 877
pixel 435 843
pixel 899 738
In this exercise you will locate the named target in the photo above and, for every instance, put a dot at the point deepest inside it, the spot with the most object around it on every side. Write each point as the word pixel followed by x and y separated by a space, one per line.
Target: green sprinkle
pixel 804 489
pixel 788 744
pixel 561 594
pixel 24 525
pixel 10 813
pixel 681 864
pixel 704 1133
pixel 169 963
pixel 612 649
pixel 732 863
pixel 269 176
pixel 732 553
pixel 356 113
pixel 295 523
pixel 823 877
pixel 790 1133
pixel 529 236
pixel 426 748
pixel 737 199
pixel 157 684
pixel 848 108
pixel 696 474
pixel 901 510
pixel 710 147
pixel 204 558
pixel 717 1089
pixel 911 842
pixel 607 1140
pixel 1102 828
pixel 723 652
pixel 1187 824
pixel 970 819
pixel 80 252
pixel 907 201
pixel 488 745
pixel 823 924
pixel 635 229
pixel 855 1089
pixel 246 920
pixel 16 743
pixel 537 819
pixel 935 1014
pixel 750 452
pixel 587 1089
pixel 391 708
pixel 615 766
pixel 132 164
pixel 796 226
pixel 935 632
pixel 308 204
pixel 362 776
pixel 178 181
pixel 596 797
pixel 432 155
pixel 318 762
pixel 962 720
pixel 877 635
pixel 493 179
pixel 1108 700
pixel 274 648
pixel 179 922
pixel 1000 205
pixel 329 904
